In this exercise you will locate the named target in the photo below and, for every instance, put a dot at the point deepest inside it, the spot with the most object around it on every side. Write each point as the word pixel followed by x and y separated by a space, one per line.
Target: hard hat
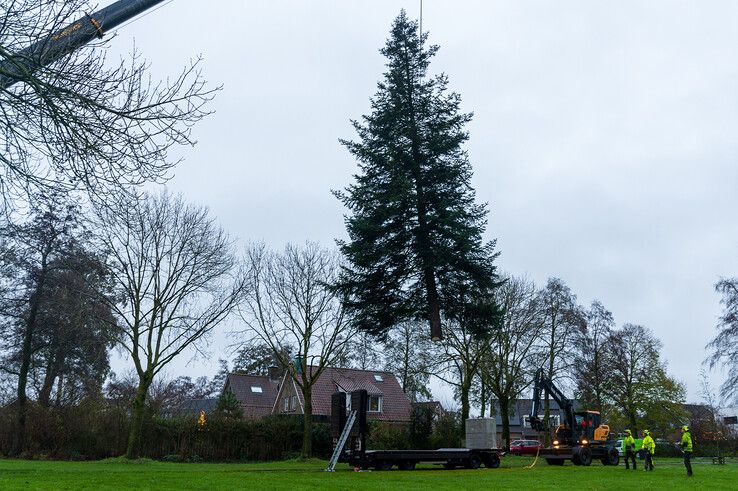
pixel 685 428
pixel 646 432
pixel 627 431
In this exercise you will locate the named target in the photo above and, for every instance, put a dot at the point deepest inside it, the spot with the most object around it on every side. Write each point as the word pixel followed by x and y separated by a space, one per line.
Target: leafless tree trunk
pixel 592 370
pixel 179 279
pixel 412 357
pixel 464 351
pixel 291 304
pixel 562 318
pixel 514 356
pixel 83 122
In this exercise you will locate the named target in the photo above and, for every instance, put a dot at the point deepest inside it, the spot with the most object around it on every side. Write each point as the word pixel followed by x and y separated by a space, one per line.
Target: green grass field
pixel 298 475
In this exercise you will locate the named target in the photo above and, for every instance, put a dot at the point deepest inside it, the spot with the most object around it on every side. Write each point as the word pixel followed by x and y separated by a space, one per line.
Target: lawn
pixel 298 475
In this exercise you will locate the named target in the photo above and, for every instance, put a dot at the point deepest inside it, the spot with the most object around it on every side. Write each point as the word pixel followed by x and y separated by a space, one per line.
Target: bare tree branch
pixel 291 305
pixel 84 122
pixel 179 277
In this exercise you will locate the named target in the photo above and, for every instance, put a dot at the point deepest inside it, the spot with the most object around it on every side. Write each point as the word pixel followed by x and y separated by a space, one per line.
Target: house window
pixel 293 403
pixel 375 404
pixel 378 377
pixel 286 404
pixel 256 389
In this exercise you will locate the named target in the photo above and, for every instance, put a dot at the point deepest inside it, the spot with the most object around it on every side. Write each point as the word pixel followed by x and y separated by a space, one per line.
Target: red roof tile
pixel 255 404
pixel 395 405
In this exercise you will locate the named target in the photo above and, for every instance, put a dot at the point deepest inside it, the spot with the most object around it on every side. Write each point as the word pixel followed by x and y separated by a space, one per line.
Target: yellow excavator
pixel 581 436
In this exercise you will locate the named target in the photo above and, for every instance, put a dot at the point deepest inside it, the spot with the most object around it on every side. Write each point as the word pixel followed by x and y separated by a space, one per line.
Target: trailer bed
pixel 450 458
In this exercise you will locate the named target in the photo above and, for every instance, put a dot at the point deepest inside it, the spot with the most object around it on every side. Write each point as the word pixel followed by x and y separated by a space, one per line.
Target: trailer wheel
pixel 406 466
pixel 473 462
pixel 383 465
pixel 555 461
pixel 492 461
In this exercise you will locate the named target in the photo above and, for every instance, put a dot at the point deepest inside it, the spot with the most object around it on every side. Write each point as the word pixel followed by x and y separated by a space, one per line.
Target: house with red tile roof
pixel 387 401
pixel 256 393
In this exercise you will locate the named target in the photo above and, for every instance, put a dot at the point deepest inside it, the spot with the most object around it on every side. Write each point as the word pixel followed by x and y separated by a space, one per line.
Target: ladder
pixel 341 442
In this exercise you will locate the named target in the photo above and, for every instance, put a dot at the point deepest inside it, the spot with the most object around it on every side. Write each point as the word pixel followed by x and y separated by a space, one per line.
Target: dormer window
pixel 256 389
pixel 378 377
pixel 375 404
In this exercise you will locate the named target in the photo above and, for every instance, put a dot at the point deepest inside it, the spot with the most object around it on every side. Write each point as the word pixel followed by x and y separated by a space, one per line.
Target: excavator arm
pixel 546 385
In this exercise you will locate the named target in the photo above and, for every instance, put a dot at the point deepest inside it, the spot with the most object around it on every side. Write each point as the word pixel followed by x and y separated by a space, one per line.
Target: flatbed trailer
pixel 450 458
pixel 350 432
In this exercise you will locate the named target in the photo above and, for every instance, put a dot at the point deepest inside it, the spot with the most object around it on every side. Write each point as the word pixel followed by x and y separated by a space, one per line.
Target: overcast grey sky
pixel 603 136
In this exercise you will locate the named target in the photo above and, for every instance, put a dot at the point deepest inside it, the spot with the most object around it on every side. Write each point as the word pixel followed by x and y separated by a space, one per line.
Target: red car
pixel 525 447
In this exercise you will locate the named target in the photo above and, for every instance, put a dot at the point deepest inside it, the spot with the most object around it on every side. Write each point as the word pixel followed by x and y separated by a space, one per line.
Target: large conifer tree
pixel 415 248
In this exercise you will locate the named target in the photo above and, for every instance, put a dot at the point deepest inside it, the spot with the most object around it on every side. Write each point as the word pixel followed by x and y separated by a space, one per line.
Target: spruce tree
pixel 415 248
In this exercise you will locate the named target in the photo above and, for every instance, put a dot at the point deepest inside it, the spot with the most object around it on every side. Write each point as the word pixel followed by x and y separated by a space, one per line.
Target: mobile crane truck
pixel 580 437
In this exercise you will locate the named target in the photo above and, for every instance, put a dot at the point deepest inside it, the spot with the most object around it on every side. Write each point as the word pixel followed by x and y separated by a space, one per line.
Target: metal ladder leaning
pixel 341 442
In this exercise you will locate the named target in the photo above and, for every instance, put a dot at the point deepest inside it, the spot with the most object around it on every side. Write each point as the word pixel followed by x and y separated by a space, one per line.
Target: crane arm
pixel 60 43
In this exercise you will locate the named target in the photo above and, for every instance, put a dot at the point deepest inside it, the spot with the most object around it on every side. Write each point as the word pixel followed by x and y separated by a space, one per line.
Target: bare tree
pixel 592 370
pixel 412 357
pixel 257 358
pixel 291 304
pixel 363 352
pixel 84 122
pixel 562 319
pixel 179 279
pixel 639 386
pixel 514 354
pixel 724 347
pixel 464 349
pixel 710 426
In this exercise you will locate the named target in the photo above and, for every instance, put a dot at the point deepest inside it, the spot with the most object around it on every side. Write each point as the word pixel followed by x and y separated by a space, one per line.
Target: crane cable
pixel 143 15
pixel 421 21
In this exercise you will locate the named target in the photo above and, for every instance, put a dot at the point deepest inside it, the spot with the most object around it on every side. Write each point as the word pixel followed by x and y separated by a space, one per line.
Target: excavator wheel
pixel 575 458
pixel 582 456
pixel 612 457
pixel 585 455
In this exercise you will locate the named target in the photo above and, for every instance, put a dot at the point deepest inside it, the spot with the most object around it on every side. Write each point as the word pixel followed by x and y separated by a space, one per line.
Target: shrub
pixel 98 430
pixel 388 436
pixel 421 427
pixel 446 432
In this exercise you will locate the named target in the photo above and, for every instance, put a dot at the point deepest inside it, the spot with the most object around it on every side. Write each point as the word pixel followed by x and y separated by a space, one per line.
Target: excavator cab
pixel 588 426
